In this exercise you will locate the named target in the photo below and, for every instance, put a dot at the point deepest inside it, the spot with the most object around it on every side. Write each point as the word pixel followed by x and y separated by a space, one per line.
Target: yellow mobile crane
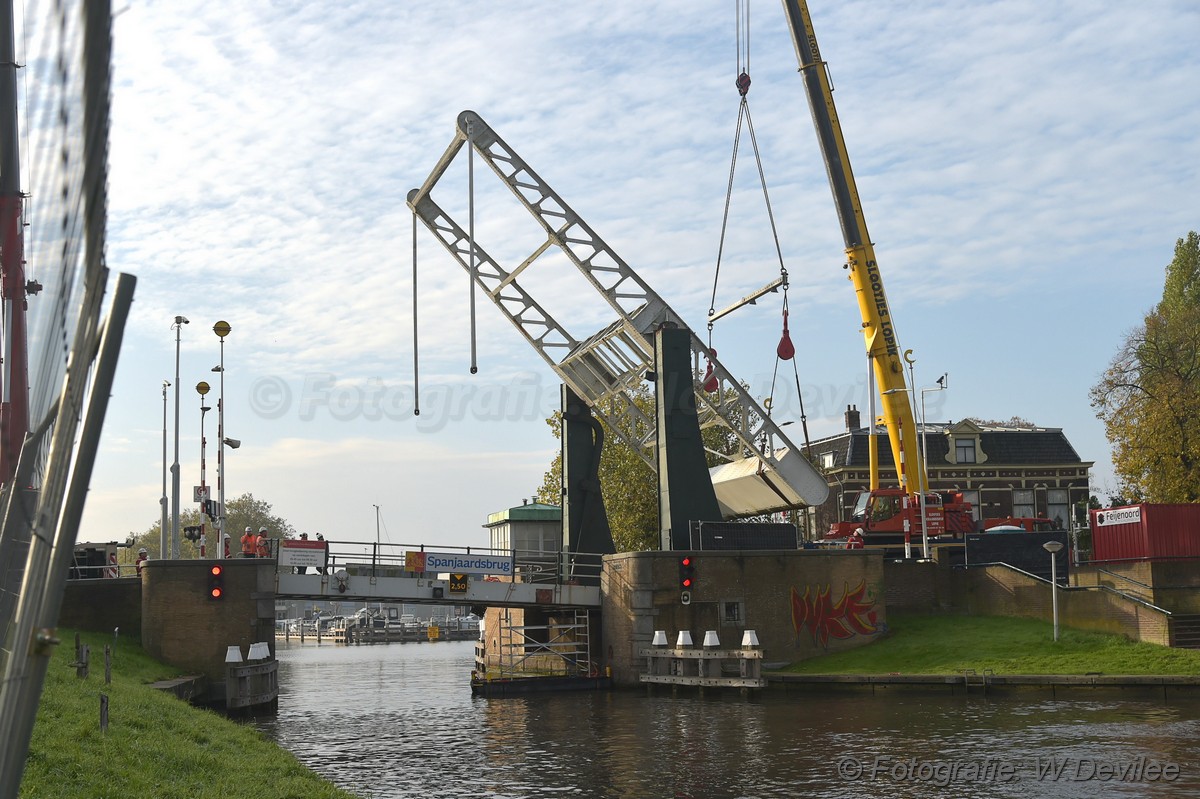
pixel 888 510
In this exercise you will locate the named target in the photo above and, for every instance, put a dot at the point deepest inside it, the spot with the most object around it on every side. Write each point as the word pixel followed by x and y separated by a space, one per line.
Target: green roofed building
pixel 528 527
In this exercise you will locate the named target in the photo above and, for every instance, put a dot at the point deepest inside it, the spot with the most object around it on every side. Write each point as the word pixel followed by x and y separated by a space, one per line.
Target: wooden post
pixel 107 664
pixel 103 712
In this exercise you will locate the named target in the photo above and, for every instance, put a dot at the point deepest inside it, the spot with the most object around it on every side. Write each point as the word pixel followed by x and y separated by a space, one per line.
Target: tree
pixel 1182 286
pixel 1149 397
pixel 240 513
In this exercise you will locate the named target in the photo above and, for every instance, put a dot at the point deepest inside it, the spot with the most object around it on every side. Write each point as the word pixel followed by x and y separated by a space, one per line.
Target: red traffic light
pixel 216 582
pixel 687 572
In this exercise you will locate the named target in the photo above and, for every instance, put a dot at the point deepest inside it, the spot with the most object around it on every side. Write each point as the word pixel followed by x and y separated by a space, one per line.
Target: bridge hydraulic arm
pixel 878 328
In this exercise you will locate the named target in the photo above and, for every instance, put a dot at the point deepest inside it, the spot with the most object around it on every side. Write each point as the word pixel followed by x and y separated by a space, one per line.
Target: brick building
pixel 1001 470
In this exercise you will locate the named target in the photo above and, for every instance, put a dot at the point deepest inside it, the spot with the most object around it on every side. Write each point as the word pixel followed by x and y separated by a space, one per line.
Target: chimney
pixel 852 418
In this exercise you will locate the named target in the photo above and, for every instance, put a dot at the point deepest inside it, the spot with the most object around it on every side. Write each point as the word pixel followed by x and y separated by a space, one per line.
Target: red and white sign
pixel 302 552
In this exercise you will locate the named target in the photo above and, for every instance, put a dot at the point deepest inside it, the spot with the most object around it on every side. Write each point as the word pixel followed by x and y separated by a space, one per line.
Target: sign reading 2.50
pixel 459 583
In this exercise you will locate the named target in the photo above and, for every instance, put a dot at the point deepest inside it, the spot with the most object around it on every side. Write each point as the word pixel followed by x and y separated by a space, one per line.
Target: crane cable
pixel 474 263
pixel 416 370
pixel 743 86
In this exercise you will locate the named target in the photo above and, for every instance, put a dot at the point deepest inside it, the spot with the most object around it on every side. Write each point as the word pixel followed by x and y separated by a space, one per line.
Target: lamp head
pixel 233 443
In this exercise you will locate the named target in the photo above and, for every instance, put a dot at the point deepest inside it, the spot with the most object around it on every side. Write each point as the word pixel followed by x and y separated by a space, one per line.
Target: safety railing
pixel 395 560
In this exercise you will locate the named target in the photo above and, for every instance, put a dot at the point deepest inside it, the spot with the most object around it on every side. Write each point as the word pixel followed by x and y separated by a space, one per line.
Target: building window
pixel 1023 503
pixel 732 613
pixel 964 450
pixel 972 496
pixel 1058 507
pixel 826 460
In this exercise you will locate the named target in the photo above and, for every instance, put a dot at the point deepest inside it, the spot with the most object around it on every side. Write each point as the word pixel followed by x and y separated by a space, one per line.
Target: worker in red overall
pixel 855 541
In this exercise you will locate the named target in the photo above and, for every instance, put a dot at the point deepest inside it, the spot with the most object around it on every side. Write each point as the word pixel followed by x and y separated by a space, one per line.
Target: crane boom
pixel 879 331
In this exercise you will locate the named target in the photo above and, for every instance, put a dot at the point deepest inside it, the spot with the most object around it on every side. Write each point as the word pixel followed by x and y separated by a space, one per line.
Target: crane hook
pixel 786 350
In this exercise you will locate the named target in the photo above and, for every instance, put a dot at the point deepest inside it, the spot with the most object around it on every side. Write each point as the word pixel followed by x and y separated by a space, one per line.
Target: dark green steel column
pixel 685 490
pixel 585 521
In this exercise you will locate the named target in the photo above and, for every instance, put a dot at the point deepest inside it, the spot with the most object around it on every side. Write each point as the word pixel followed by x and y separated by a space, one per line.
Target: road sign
pixel 199 493
pixel 459 583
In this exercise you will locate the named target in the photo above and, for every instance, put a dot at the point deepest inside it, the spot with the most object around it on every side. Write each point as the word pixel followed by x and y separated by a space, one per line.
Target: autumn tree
pixel 1149 396
pixel 240 513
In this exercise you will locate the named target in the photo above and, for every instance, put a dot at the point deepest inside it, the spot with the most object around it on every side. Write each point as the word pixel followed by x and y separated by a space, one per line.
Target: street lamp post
pixel 1054 547
pixel 162 531
pixel 941 386
pixel 202 388
pixel 180 321
pixel 222 329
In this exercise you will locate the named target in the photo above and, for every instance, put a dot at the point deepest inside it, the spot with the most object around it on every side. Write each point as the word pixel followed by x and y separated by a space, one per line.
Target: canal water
pixel 398 721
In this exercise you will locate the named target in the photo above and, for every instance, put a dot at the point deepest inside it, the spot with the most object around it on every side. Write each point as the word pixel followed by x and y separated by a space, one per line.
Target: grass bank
pixel 155 746
pixel 950 644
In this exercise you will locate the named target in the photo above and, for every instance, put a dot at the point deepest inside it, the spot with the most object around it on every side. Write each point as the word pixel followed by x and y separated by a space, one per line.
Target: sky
pixel 1025 169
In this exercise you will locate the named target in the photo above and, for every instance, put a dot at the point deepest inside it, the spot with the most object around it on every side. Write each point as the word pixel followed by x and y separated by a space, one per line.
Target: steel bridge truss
pixel 606 368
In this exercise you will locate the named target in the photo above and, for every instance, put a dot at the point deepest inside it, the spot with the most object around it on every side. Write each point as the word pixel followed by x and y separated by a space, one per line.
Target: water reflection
pixel 398 721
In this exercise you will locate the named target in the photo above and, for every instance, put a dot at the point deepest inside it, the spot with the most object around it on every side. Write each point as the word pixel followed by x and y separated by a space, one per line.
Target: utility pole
pixel 14 379
pixel 162 531
pixel 180 321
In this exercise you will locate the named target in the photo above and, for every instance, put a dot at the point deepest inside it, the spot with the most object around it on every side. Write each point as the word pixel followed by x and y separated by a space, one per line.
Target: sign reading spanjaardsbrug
pixel 459 563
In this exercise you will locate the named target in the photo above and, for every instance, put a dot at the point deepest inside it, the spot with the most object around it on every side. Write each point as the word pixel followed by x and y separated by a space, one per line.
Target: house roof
pixel 529 512
pixel 1003 446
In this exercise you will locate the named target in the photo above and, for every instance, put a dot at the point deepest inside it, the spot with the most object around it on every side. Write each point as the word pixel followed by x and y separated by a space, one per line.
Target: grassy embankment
pixel 155 746
pixel 950 644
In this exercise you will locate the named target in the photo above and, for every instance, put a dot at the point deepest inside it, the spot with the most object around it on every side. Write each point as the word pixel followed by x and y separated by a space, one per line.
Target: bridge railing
pixel 522 565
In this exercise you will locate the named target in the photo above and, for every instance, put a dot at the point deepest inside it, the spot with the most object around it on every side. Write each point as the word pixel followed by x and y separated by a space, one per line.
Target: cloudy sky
pixel 1025 168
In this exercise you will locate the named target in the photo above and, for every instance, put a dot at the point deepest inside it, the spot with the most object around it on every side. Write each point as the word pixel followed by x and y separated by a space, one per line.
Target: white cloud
pixel 1024 168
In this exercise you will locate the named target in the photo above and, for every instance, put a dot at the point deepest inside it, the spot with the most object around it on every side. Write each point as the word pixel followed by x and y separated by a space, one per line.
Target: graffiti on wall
pixel 853 614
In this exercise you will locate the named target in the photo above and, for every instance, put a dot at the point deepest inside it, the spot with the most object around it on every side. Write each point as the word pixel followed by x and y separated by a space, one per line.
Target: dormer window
pixel 826 460
pixel 964 450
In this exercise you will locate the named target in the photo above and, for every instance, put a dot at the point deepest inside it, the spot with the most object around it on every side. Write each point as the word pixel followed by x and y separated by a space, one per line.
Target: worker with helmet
pixel 248 543
pixel 261 544
pixel 142 557
pixel 855 541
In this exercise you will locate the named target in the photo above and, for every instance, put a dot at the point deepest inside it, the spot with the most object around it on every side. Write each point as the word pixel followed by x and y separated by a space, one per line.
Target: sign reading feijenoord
pixel 459 563
pixel 1132 515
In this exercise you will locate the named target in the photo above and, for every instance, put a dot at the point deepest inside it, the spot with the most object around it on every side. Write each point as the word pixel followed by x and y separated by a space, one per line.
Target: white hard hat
pixel 248 530
pixel 261 529
pixel 142 551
